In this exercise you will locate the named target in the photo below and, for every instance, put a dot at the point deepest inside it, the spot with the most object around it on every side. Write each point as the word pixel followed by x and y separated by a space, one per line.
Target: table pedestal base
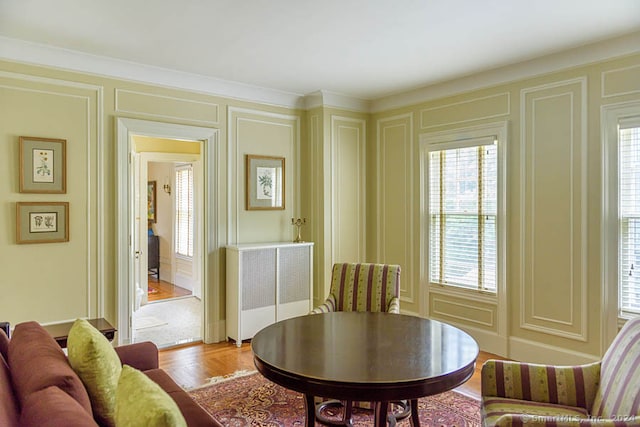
pixel 382 415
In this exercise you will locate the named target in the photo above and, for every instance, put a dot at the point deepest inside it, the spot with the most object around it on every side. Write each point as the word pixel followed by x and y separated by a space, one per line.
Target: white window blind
pixel 629 216
pixel 184 210
pixel 463 213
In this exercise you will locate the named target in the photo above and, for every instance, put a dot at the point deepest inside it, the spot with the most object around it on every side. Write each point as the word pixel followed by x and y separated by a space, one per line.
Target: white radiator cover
pixel 266 283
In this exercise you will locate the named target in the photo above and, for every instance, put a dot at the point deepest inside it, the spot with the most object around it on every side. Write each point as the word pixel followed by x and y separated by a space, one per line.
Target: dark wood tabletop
pixel 379 357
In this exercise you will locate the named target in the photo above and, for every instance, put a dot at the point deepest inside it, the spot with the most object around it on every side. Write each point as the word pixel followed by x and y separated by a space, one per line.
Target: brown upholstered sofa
pixel 38 387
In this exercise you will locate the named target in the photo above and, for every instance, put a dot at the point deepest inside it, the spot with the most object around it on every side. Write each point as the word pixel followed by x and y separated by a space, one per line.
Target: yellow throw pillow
pixel 97 364
pixel 140 402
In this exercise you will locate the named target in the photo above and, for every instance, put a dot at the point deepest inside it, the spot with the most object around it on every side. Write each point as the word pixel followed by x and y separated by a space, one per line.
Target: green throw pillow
pixel 140 402
pixel 97 364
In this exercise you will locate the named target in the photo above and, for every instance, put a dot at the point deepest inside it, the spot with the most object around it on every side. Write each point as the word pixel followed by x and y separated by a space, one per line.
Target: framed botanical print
pixel 265 179
pixel 42 222
pixel 42 165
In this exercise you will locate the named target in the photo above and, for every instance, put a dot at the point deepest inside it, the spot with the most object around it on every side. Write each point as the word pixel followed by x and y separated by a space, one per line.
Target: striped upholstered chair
pixel 359 287
pixel 605 393
pixel 363 287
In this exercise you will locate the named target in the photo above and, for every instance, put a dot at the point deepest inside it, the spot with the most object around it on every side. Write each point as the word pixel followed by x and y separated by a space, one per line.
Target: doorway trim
pixel 125 252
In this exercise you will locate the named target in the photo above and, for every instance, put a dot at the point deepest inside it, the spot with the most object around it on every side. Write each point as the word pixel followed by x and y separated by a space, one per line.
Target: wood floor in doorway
pixel 164 290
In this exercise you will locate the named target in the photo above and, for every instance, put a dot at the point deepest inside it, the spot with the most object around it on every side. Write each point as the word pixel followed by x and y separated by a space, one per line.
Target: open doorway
pixel 130 226
pixel 168 289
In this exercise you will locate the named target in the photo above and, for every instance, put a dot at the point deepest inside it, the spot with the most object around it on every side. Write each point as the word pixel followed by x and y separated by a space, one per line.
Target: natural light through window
pixel 463 210
pixel 629 217
pixel 184 210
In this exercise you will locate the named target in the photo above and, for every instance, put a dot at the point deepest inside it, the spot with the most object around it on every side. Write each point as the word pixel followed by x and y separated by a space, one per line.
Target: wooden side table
pixel 60 331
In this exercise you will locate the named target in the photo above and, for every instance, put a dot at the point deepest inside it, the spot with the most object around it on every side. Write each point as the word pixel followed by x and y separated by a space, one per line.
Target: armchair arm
pixel 563 385
pixel 524 420
pixel 327 306
pixel 142 356
pixel 394 306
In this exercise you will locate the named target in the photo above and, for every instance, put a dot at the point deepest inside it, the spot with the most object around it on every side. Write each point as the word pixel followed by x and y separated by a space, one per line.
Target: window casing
pixel 184 211
pixel 629 217
pixel 463 214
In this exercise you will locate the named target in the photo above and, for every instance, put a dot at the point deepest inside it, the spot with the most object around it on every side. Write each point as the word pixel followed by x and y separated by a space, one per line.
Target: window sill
pixel 459 292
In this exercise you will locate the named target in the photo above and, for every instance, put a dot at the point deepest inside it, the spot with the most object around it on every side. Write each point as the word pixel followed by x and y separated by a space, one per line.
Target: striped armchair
pixel 605 393
pixel 359 287
pixel 363 287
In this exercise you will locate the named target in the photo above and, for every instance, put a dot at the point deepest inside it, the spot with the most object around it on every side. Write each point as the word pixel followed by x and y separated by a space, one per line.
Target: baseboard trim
pixel 536 352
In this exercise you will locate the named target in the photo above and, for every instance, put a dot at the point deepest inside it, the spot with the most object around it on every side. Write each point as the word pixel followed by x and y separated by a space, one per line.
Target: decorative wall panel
pixel 465 111
pixel 348 189
pixel 395 199
pixel 166 107
pixel 554 195
pixel 52 108
pixel 462 311
pixel 621 81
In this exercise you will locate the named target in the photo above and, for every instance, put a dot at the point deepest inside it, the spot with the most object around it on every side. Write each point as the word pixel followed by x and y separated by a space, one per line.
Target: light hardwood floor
pixel 191 365
pixel 164 290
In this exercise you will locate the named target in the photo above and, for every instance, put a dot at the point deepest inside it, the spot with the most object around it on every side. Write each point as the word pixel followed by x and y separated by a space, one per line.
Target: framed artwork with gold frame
pixel 42 222
pixel 265 179
pixel 152 216
pixel 42 163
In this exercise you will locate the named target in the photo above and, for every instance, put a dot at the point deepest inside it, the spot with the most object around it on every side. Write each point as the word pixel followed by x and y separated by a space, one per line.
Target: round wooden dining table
pixel 364 356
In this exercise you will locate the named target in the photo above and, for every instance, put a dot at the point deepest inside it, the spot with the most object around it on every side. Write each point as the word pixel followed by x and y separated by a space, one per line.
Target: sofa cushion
pixel 4 344
pixel 37 362
pixel 142 402
pixel 55 408
pixel 9 411
pixel 93 358
pixel 194 414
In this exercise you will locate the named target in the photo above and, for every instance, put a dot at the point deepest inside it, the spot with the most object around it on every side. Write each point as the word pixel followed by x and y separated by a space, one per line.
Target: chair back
pixel 364 286
pixel 619 390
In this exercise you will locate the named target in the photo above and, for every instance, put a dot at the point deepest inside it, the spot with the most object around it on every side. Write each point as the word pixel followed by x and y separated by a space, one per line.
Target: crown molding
pixel 583 55
pixel 69 60
pixel 324 98
pixel 42 55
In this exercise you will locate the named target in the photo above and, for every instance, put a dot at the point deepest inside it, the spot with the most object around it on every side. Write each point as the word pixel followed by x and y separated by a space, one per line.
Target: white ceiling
pixel 365 49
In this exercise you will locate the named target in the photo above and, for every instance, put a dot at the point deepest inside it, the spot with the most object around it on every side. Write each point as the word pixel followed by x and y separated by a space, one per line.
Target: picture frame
pixel 265 178
pixel 43 165
pixel 152 216
pixel 42 222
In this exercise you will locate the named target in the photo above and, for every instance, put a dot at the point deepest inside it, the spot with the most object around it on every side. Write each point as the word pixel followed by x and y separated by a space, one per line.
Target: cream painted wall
pixel 554 208
pixel 161 145
pixel 79 278
pixel 268 134
pixel 159 172
pixel 337 196
pixel 50 281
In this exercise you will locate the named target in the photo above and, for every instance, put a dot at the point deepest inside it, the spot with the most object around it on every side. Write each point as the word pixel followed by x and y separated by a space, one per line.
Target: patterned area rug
pixel 252 400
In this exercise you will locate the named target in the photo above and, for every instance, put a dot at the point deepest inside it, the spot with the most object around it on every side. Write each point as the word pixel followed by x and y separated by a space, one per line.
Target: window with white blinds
pixel 463 200
pixel 629 216
pixel 184 210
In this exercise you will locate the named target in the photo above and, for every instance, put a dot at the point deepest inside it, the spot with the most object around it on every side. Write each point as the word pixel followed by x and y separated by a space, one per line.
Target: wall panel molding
pixel 317 185
pixel 492 106
pixel 348 189
pixel 166 107
pixel 620 81
pixel 235 160
pixel 553 296
pixel 395 160
pixel 93 98
pixel 447 309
